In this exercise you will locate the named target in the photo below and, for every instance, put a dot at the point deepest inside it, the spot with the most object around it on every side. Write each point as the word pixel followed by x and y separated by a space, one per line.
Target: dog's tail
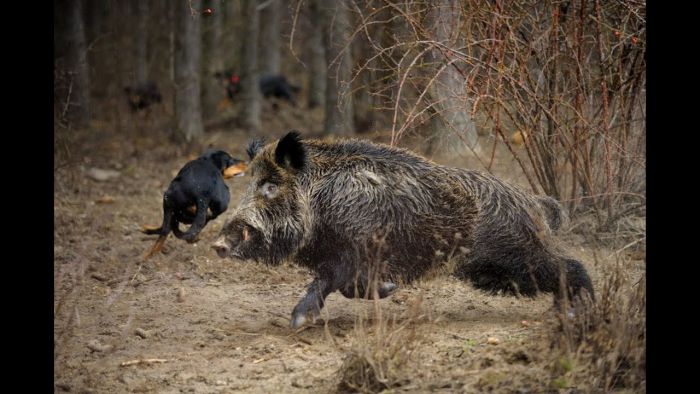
pixel 164 228
pixel 150 230
pixel 200 220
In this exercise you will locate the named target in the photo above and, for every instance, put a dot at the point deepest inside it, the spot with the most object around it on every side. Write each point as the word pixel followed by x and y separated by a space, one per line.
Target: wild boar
pixel 364 216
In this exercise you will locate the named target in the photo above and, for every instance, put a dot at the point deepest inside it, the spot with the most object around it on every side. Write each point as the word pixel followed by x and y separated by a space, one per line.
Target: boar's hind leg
pixel 311 304
pixel 360 288
pixel 516 271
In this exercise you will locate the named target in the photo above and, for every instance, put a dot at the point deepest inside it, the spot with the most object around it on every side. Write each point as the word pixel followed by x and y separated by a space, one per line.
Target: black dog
pixel 278 86
pixel 143 95
pixel 197 195
pixel 270 85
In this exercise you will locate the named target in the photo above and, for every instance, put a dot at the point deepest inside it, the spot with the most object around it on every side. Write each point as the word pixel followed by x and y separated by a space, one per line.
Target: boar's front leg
pixel 311 304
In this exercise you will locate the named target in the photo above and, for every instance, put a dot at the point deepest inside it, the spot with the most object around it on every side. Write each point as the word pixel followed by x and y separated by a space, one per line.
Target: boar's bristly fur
pixel 363 216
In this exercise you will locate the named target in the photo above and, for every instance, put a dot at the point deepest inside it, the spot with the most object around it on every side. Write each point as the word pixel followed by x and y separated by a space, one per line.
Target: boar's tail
pixel 200 220
pixel 553 212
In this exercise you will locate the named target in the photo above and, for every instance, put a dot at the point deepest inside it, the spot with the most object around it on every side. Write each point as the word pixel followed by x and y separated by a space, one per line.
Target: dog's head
pixel 229 166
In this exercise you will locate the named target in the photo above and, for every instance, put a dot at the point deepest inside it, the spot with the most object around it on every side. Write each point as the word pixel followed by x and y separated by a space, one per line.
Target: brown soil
pixel 215 325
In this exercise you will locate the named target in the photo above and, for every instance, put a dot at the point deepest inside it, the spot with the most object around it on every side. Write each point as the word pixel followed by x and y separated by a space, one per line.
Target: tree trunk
pixel 452 124
pixel 141 42
pixel 163 63
pixel 250 91
pixel 161 52
pixel 94 14
pixel 213 93
pixel 75 95
pixel 172 16
pixel 339 105
pixel 270 38
pixel 188 115
pixel 362 103
pixel 317 57
pixel 232 32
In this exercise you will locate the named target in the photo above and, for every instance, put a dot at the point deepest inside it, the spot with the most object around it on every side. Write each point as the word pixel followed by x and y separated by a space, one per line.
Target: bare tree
pixel 75 93
pixel 251 97
pixel 336 37
pixel 364 100
pixel 188 115
pixel 560 84
pixel 452 120
pixel 172 16
pixel 94 13
pixel 270 37
pixel 161 48
pixel 141 42
pixel 232 31
pixel 212 92
pixel 317 57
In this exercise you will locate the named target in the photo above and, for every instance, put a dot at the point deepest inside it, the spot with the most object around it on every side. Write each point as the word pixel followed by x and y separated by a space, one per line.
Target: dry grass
pixel 602 346
pixel 380 352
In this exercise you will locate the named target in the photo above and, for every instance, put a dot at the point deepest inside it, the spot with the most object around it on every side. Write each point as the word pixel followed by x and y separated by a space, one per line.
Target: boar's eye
pixel 269 190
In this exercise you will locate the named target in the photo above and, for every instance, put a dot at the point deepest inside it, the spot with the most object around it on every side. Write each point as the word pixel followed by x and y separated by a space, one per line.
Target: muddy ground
pixel 188 321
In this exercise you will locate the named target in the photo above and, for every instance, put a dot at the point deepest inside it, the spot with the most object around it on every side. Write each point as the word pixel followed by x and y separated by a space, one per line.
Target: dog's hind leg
pixel 200 220
pixel 176 230
pixel 157 247
pixel 163 231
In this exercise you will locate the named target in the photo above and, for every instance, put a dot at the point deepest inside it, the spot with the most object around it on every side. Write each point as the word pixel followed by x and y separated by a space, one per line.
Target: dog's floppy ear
pixel 290 152
pixel 229 166
pixel 254 147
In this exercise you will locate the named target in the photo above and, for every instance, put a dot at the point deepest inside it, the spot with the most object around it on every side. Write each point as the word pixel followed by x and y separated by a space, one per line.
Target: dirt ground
pixel 188 321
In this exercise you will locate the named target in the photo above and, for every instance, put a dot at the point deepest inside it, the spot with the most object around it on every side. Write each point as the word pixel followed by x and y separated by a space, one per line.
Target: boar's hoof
pixel 298 321
pixel 299 318
pixel 386 289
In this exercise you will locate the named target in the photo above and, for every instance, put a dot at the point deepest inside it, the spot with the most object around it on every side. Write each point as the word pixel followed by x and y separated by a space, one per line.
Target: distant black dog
pixel 270 85
pixel 142 96
pixel 197 195
pixel 277 86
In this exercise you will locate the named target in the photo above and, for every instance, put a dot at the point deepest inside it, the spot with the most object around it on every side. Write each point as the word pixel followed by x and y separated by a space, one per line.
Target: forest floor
pixel 189 321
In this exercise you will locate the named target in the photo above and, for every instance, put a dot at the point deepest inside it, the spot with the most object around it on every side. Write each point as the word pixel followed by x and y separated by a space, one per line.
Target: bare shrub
pixel 568 76
pixel 380 351
pixel 602 346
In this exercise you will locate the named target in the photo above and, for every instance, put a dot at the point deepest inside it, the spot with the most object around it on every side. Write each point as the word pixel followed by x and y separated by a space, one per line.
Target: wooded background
pixel 561 83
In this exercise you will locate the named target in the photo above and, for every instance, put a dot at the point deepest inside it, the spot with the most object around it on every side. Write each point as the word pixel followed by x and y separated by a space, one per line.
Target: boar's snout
pixel 237 239
pixel 221 247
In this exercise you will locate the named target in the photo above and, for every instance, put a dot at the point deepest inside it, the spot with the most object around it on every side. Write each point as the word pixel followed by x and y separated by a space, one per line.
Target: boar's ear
pixel 254 147
pixel 290 151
